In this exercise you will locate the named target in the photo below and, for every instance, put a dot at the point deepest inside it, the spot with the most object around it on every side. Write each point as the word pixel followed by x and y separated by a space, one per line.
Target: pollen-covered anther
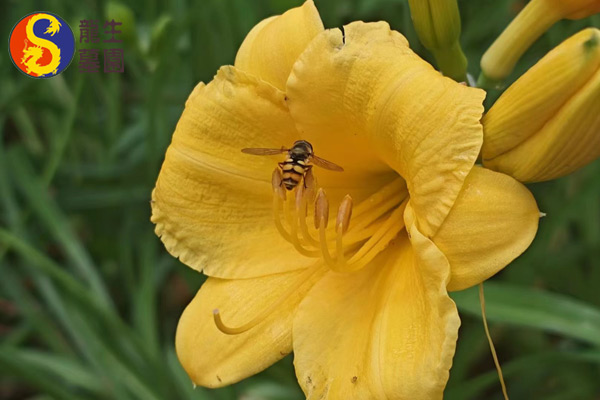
pixel 321 210
pixel 379 219
pixel 344 214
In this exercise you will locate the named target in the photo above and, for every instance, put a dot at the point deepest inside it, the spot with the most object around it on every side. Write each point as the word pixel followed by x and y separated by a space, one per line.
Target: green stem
pixel 485 82
pixel 452 61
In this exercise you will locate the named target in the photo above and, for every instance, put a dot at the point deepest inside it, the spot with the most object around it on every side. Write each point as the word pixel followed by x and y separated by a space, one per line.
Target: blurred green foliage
pixel 89 299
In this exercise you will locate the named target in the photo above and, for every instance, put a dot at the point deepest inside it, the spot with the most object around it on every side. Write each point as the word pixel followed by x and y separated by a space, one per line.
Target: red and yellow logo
pixel 42 45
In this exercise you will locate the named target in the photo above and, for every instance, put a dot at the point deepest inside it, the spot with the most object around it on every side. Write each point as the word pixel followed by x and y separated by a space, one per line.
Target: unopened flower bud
pixel 547 124
pixel 535 19
pixel 437 23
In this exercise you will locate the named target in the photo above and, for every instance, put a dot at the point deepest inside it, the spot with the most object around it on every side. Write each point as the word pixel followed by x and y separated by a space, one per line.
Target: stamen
pixel 291 217
pixel 354 236
pixel 289 210
pixel 295 240
pixel 339 247
pixel 378 247
pixel 301 280
pixel 378 223
pixel 321 209
pixel 368 217
pixel 379 241
pixel 310 183
pixel 324 248
pixel 389 191
pixel 278 197
pixel 344 214
pixel 276 181
pixel 395 222
pixel 277 217
pixel 302 197
pixel 299 201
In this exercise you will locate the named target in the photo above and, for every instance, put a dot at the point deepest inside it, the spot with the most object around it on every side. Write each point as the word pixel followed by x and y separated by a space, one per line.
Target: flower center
pixel 376 221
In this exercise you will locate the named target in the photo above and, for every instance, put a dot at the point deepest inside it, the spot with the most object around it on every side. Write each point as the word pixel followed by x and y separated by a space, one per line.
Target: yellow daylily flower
pixel 437 23
pixel 547 125
pixel 535 19
pixel 363 302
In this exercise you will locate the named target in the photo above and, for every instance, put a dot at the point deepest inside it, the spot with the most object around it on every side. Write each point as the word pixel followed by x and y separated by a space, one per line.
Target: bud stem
pixel 452 61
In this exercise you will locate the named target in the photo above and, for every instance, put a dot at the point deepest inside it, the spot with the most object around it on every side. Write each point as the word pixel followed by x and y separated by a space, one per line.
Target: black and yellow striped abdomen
pixel 293 171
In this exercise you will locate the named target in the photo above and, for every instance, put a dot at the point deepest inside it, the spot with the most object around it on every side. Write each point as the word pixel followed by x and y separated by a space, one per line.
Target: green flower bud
pixel 437 23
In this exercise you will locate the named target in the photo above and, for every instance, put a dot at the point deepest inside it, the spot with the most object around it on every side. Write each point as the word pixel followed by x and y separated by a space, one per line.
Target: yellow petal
pixel 212 358
pixel 385 332
pixel 368 98
pixel 212 203
pixel 546 124
pixel 494 219
pixel 271 48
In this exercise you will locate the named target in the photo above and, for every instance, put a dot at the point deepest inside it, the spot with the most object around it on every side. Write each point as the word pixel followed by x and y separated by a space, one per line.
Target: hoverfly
pixel 296 165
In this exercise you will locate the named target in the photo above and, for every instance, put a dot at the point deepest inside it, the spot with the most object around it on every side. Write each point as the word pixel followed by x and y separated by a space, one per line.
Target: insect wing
pixel 264 152
pixel 319 162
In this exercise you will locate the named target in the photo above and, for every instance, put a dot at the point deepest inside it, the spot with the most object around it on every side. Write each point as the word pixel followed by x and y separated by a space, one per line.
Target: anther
pixel 375 223
pixel 321 210
pixel 344 214
pixel 276 181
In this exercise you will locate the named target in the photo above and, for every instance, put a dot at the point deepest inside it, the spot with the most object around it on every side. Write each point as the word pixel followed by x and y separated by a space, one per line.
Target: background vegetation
pixel 89 298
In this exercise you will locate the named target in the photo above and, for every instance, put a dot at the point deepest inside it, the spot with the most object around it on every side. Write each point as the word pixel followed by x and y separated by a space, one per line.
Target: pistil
pixel 298 282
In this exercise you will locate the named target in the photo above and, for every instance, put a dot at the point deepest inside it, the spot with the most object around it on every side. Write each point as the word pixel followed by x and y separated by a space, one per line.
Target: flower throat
pixel 344 248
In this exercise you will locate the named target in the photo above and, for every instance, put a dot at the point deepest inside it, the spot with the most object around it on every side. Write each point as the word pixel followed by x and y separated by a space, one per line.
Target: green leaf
pixel 56 222
pixel 12 362
pixel 535 309
pixel 69 370
pixel 473 388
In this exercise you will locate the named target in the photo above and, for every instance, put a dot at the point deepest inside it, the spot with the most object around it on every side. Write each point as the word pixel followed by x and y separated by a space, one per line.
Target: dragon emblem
pixel 32 53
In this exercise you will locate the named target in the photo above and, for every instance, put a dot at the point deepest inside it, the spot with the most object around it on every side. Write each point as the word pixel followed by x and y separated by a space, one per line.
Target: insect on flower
pixel 296 166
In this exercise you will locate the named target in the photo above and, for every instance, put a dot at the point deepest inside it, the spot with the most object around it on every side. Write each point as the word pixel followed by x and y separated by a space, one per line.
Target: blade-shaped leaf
pixel 534 308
